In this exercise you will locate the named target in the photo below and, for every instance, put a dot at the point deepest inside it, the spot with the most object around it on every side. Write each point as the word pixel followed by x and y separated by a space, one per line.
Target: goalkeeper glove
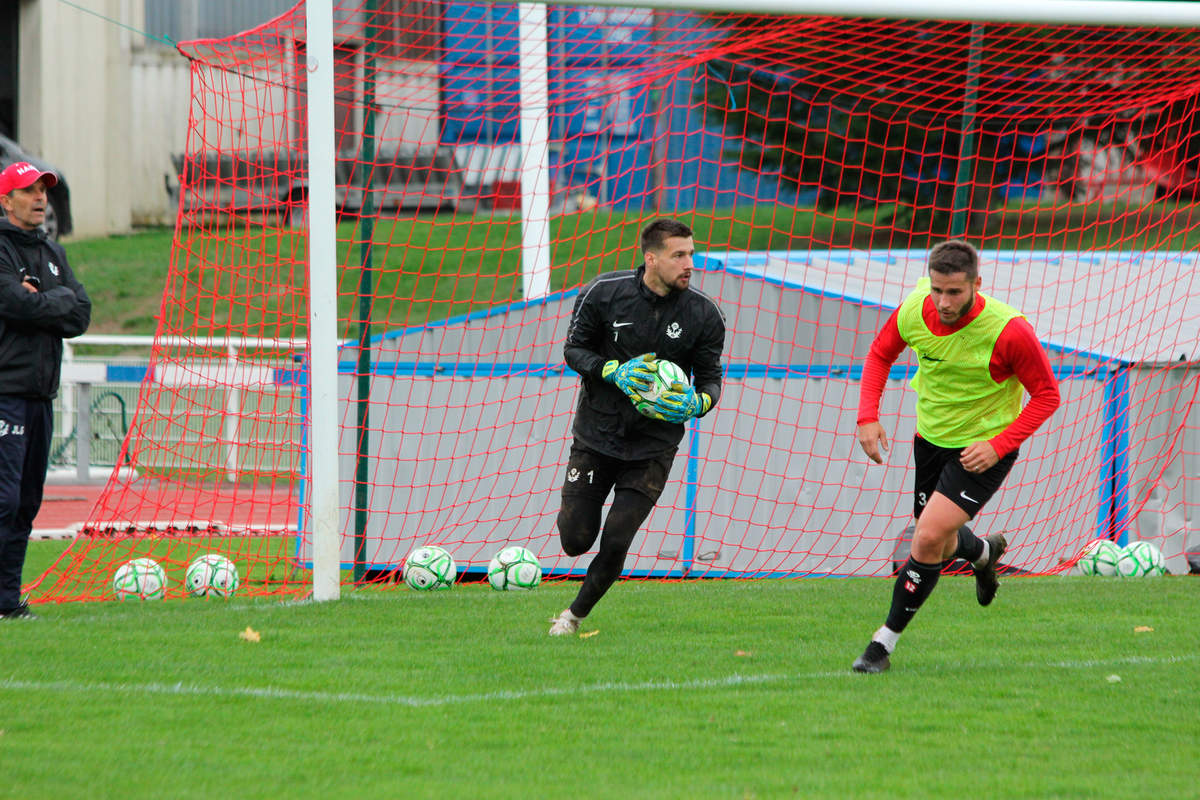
pixel 634 376
pixel 678 405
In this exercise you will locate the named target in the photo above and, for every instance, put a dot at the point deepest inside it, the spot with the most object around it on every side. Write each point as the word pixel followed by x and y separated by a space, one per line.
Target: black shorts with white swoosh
pixel 939 470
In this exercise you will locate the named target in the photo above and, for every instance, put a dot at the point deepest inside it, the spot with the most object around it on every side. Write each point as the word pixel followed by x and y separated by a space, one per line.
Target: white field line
pixel 414 701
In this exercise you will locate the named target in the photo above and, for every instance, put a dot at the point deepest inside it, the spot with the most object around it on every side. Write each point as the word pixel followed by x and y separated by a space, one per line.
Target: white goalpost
pixel 322 282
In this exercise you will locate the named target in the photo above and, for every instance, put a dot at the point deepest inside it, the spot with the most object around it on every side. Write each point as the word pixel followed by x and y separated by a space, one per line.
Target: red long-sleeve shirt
pixel 1017 352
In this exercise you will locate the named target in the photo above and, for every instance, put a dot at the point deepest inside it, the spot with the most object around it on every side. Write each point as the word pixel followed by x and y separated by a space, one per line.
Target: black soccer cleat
pixel 986 580
pixel 20 612
pixel 873 660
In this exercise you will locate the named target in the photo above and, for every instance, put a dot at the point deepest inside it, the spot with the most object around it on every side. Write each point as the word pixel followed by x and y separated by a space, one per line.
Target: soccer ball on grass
pixel 142 578
pixel 1140 559
pixel 430 567
pixel 1099 558
pixel 514 568
pixel 211 575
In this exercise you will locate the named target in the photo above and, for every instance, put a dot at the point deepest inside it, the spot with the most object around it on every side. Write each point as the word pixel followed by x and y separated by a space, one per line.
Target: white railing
pixel 81 373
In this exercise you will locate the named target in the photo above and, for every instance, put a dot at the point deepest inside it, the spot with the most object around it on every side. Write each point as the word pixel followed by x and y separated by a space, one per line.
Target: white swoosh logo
pixel 967 497
pixel 621 324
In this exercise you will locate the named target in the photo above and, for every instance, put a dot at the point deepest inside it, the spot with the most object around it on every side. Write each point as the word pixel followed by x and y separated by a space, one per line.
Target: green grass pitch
pixel 699 689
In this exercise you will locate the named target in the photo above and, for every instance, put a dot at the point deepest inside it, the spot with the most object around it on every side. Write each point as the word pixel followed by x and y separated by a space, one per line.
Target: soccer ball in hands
pixel 142 578
pixel 1099 558
pixel 211 575
pixel 430 567
pixel 1140 559
pixel 514 567
pixel 668 373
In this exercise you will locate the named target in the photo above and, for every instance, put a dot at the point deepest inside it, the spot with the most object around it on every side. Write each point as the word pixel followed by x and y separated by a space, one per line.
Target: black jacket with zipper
pixel 33 324
pixel 617 317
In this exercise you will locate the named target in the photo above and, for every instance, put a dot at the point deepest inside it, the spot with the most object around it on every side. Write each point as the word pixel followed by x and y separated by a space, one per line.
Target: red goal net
pixel 817 160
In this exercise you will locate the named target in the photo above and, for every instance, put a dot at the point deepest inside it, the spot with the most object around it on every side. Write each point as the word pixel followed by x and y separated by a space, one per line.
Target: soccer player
pixel 622 323
pixel 976 357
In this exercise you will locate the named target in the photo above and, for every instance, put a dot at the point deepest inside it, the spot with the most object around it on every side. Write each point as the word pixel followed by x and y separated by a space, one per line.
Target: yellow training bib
pixel 957 401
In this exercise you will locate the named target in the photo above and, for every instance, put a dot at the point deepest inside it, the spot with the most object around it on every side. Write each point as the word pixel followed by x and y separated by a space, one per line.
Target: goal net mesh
pixel 816 158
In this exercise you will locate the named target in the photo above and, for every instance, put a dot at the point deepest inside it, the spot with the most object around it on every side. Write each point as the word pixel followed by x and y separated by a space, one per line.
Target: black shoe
pixel 986 581
pixel 874 659
pixel 20 612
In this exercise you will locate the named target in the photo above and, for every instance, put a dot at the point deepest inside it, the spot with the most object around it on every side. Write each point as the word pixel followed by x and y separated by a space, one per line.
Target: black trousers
pixel 636 486
pixel 25 430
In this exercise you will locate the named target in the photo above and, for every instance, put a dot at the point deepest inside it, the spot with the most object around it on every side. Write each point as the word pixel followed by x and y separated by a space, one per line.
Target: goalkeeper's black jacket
pixel 33 324
pixel 617 317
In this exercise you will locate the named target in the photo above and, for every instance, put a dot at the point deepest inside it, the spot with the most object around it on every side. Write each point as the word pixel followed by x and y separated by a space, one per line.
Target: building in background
pixel 82 87
pixel 100 90
pixel 97 88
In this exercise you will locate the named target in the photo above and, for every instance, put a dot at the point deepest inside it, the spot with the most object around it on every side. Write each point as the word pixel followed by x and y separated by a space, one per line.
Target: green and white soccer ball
pixel 211 575
pixel 514 568
pixel 430 567
pixel 667 374
pixel 1140 559
pixel 141 578
pixel 1099 558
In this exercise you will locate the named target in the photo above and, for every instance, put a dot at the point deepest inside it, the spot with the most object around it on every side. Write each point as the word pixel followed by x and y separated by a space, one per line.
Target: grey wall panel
pixel 1048 504
pixel 462 460
pixel 798 496
pixel 766 324
pixel 1164 460
pixel 781 485
pixel 769 324
pixel 532 334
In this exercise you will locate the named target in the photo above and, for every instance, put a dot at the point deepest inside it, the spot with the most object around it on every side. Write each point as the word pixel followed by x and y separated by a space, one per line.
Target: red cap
pixel 21 174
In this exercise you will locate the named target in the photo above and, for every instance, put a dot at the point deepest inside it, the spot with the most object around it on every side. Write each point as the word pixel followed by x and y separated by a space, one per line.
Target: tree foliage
pixel 936 121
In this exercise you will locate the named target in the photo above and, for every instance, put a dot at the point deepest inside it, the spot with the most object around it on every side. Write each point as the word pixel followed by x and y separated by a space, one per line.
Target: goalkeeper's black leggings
pixel 578 526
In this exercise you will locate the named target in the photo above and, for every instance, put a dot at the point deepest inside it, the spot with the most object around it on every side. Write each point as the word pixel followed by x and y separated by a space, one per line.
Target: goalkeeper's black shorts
pixel 593 475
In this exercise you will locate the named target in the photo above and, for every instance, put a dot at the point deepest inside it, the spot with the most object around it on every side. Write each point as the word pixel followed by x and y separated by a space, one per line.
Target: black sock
pixel 913 585
pixel 970 546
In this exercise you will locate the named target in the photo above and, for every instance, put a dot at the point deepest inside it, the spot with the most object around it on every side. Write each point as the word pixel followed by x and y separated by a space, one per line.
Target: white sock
pixel 886 637
pixel 983 559
pixel 567 613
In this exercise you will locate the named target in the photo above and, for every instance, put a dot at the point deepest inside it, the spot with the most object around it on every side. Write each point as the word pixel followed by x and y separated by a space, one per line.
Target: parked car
pixel 58 210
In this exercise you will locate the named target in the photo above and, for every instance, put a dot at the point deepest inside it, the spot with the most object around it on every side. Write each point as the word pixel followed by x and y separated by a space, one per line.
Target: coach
pixel 41 303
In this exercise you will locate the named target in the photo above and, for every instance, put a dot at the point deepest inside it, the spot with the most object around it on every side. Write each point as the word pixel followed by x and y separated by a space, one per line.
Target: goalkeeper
pixel 621 323
pixel 976 357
